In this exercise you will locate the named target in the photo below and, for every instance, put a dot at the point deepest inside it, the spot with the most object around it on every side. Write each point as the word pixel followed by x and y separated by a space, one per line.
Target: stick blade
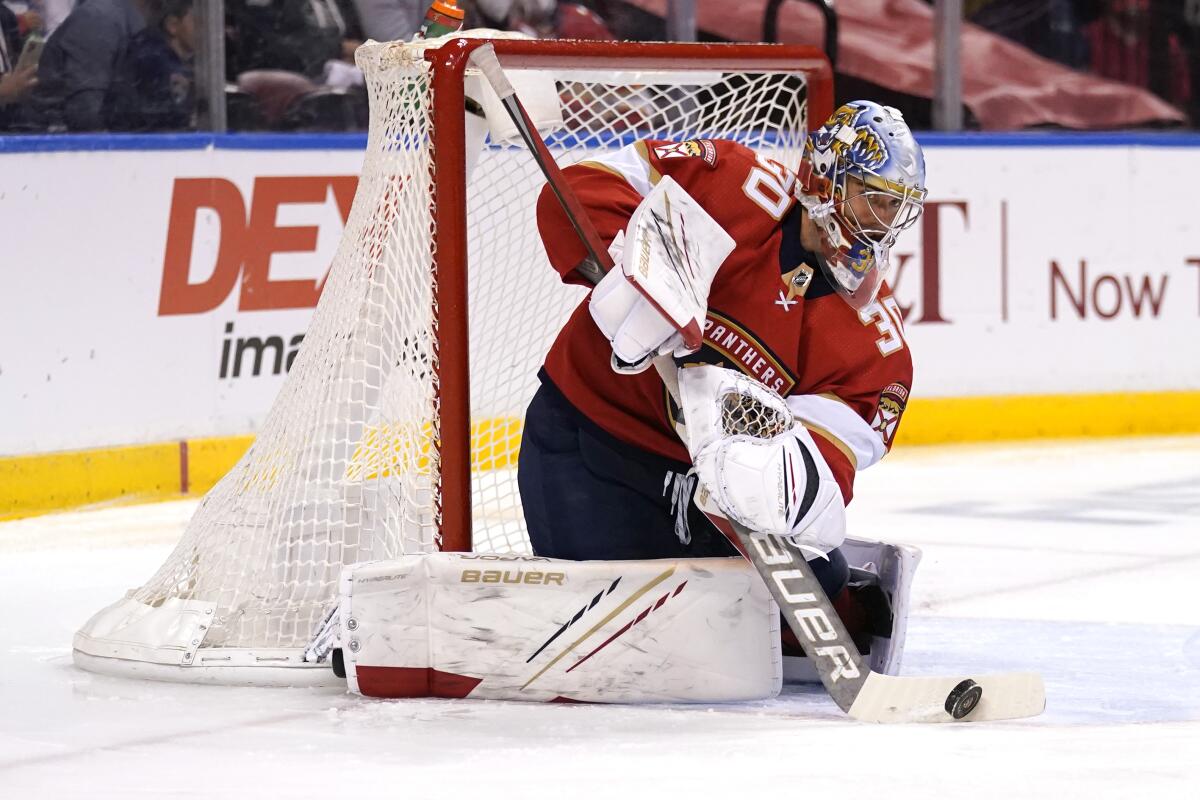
pixel 888 698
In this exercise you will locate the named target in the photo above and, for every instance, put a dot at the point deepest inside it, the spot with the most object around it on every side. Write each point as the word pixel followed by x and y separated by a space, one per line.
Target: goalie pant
pixel 589 496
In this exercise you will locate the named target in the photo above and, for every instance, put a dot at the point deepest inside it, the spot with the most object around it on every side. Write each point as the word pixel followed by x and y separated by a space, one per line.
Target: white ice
pixel 1077 559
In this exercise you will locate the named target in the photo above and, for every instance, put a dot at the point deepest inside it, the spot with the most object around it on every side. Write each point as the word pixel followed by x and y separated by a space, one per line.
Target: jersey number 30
pixel 769 185
pixel 885 313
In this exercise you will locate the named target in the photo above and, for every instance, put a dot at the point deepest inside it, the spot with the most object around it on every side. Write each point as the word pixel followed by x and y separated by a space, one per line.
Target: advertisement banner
pixel 151 296
pixel 154 295
pixel 1053 270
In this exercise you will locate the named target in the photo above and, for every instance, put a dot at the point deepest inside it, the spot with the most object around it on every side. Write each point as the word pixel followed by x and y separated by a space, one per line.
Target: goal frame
pixel 165 637
pixel 449 64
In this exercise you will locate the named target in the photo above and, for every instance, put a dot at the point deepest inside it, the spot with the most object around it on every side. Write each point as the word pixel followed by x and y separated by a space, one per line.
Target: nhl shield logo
pixel 892 401
pixel 796 282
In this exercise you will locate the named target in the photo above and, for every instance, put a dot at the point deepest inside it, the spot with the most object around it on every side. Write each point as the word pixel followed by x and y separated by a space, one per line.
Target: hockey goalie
pixel 766 288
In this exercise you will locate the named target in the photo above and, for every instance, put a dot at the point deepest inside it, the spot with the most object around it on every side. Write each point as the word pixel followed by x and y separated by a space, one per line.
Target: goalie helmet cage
pixel 397 428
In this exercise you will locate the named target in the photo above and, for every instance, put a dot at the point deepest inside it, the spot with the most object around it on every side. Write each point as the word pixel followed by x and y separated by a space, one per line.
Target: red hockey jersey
pixel 772 314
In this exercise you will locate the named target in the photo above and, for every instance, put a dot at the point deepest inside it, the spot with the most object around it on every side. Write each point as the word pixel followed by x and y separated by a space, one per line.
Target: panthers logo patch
pixel 892 401
pixel 693 148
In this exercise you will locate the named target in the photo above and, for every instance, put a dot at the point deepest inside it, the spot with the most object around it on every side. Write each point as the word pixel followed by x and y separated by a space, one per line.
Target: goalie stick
pixel 861 693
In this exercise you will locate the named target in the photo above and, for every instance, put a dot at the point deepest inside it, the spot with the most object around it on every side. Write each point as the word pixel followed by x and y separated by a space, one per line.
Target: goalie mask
pixel 862 181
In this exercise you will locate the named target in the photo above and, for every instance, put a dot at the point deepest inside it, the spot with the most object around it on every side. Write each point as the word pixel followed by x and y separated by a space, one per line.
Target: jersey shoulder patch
pixel 890 408
pixel 703 149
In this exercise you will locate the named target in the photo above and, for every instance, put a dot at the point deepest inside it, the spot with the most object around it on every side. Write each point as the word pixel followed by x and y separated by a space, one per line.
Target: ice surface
pixel 1078 559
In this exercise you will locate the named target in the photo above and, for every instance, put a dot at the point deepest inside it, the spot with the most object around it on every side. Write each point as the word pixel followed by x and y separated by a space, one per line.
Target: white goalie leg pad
pixel 894 566
pixel 891 568
pixel 657 301
pixel 527 628
pixel 760 466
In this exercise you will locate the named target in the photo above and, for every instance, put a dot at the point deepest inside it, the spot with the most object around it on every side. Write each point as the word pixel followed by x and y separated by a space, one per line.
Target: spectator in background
pixel 17 79
pixel 56 12
pixel 390 20
pixel 1120 40
pixel 532 17
pixel 29 17
pixel 50 13
pixel 576 21
pixel 1175 54
pixel 81 60
pixel 155 88
pixel 10 39
pixel 1153 44
pixel 293 35
pixel 1050 28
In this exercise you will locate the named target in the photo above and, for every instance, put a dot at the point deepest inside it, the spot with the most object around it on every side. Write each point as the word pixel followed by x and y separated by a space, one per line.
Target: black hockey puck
pixel 963 698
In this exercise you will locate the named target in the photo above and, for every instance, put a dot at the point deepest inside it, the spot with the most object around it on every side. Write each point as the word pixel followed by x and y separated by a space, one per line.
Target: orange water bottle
pixel 442 17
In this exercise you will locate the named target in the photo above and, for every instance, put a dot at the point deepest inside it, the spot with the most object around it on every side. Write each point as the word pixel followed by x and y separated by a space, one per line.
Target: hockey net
pixel 391 435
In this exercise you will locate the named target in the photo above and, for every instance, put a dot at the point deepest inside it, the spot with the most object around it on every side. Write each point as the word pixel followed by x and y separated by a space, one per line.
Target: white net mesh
pixel 345 467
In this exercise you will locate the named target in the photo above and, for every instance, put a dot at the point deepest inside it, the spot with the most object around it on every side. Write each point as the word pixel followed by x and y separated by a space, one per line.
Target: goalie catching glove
pixel 760 466
pixel 655 299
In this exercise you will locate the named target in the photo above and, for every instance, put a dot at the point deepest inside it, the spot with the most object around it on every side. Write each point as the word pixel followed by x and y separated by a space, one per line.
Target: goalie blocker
pixel 538 629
